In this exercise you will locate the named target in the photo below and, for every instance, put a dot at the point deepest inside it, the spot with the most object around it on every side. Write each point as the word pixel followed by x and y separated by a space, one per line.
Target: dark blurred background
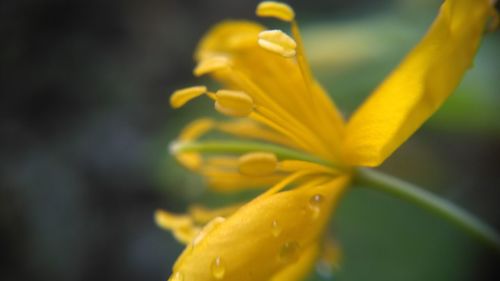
pixel 85 123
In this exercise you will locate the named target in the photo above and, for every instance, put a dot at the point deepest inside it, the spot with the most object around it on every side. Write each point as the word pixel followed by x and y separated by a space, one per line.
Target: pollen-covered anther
pixel 233 103
pixel 277 10
pixel 257 164
pixel 210 65
pixel 277 41
pixel 182 96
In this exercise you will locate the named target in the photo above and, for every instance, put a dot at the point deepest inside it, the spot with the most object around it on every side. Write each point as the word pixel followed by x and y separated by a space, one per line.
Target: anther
pixel 167 220
pixel 210 65
pixel 233 103
pixel 257 163
pixel 181 97
pixel 277 10
pixel 278 42
pixel 196 129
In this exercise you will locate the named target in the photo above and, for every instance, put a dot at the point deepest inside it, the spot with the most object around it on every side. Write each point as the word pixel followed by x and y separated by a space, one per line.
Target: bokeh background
pixel 85 124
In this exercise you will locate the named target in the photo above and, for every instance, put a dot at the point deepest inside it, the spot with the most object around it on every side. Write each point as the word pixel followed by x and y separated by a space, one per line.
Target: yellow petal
pixel 419 85
pixel 263 237
pixel 227 37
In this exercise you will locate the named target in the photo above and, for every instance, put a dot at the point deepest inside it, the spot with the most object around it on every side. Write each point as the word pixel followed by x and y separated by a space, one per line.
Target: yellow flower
pixel 289 135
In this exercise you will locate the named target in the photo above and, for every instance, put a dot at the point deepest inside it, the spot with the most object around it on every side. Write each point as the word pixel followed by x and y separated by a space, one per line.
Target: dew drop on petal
pixel 315 205
pixel 218 268
pixel 289 251
pixel 276 228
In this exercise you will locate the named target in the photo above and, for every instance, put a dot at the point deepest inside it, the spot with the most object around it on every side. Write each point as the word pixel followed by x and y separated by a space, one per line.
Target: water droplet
pixel 315 205
pixel 177 277
pixel 289 251
pixel 218 268
pixel 276 228
pixel 316 200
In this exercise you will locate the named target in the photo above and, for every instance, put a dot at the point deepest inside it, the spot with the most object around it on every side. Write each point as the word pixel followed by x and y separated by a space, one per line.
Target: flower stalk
pixel 369 178
pixel 237 147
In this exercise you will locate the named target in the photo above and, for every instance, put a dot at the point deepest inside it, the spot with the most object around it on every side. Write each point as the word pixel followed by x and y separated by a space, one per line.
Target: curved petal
pixel 263 237
pixel 420 84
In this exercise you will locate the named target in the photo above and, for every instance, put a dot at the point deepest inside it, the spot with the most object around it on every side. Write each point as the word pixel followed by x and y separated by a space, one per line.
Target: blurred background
pixel 85 124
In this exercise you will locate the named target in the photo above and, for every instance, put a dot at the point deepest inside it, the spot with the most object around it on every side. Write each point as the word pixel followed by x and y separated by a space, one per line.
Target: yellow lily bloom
pixel 289 135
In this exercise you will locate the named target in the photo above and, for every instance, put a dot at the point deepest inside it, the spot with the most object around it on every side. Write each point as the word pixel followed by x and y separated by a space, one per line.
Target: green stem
pixel 418 196
pixel 238 147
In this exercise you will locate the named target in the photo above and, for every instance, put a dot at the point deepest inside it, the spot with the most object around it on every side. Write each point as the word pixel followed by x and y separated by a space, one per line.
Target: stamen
pixel 196 129
pixel 284 183
pixel 210 65
pixel 181 97
pixel 315 99
pixel 222 162
pixel 238 147
pixel 193 161
pixel 193 131
pixel 298 165
pixel 167 220
pixel 181 226
pixel 277 10
pixel 288 126
pixel 301 56
pixel 231 181
pixel 233 103
pixel 249 129
pixel 257 164
pixel 277 41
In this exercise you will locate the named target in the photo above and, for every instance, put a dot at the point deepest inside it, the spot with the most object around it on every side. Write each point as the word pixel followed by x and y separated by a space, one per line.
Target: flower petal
pixel 264 237
pixel 420 84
